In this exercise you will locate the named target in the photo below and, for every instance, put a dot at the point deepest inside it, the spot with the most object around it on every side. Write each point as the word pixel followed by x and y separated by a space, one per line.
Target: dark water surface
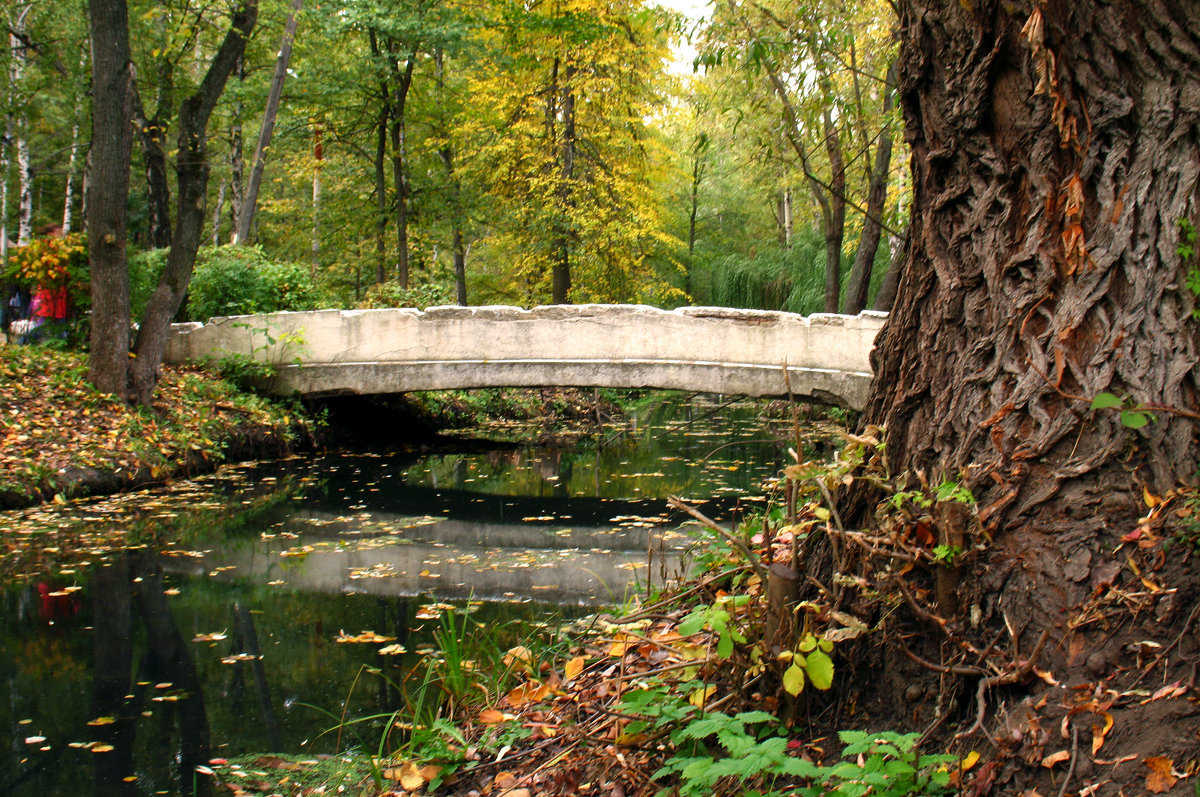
pixel 142 635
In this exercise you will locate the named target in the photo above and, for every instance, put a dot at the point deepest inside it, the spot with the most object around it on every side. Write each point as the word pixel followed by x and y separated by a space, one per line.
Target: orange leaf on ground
pixel 574 667
pixel 1099 731
pixel 1161 779
pixel 490 716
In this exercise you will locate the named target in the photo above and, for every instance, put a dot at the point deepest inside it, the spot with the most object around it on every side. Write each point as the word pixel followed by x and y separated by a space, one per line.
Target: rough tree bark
pixel 107 193
pixel 1055 150
pixel 191 168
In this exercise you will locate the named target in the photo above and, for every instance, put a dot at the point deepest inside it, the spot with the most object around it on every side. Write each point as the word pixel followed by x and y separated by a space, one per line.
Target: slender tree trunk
pixel 872 231
pixel 108 193
pixel 217 211
pixel 402 80
pixel 152 134
pixel 560 289
pixel 1055 149
pixel 246 211
pixel 381 140
pixel 318 162
pixel 699 153
pixel 17 48
pixel 237 156
pixel 192 170
pixel 835 219
pixel 457 246
pixel 5 161
pixel 68 218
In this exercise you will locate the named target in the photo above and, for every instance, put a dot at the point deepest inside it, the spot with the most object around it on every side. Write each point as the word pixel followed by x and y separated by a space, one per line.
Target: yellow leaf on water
pixel 102 748
pixel 103 721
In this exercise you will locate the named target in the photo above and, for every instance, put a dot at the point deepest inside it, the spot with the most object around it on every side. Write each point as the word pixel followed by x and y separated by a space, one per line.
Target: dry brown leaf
pixel 1161 778
pixel 504 780
pixel 1056 758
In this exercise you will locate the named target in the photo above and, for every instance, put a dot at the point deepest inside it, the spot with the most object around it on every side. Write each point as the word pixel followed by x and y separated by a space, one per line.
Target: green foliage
pixel 242 280
pixel 390 294
pixel 145 269
pixel 810 661
pixel 1133 415
pixel 716 618
pixel 742 749
pixel 947 490
pixel 252 371
pixel 773 278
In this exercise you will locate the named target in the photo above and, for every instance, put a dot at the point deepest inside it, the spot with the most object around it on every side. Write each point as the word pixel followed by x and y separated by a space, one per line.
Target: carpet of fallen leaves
pixel 61 437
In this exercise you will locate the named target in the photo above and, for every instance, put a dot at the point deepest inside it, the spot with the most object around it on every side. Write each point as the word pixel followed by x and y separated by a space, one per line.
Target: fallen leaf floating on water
pixel 365 636
pixel 103 721
pixel 392 650
pixel 102 748
pixel 216 636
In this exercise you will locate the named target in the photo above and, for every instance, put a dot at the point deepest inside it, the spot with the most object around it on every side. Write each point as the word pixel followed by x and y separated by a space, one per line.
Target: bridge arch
pixel 702 349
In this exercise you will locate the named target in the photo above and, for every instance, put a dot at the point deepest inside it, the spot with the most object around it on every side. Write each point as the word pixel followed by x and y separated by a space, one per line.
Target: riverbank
pixel 63 439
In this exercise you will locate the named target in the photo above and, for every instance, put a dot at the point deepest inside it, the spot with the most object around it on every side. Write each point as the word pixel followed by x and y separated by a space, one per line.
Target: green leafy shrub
pixel 242 280
pixel 145 268
pixel 389 294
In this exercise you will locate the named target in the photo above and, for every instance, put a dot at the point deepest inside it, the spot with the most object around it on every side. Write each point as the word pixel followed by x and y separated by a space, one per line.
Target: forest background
pixel 456 151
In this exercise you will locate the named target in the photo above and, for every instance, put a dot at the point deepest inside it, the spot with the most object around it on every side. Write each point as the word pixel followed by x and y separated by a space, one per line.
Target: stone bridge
pixel 823 358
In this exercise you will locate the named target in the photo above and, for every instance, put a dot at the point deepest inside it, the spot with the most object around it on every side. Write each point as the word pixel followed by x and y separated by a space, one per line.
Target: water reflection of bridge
pixel 700 349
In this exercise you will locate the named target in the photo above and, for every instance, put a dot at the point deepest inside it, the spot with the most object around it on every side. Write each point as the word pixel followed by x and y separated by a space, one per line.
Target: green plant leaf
pixel 820 669
pixel 1104 401
pixel 793 680
pixel 1134 419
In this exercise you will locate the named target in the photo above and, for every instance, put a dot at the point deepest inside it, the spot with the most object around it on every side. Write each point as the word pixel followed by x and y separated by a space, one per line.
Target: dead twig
pixel 1182 633
pixel 678 503
pixel 1020 673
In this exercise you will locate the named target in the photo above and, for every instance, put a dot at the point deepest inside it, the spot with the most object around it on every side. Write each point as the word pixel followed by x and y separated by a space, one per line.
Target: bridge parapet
pixel 711 349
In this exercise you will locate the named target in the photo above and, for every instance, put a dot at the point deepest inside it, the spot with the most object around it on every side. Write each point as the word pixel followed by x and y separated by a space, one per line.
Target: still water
pixel 145 634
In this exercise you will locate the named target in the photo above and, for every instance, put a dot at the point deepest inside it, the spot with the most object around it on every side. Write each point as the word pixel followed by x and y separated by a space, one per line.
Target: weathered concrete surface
pixel 705 349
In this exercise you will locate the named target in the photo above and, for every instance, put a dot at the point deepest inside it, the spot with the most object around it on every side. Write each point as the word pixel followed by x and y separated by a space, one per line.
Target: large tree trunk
pixel 192 171
pixel 107 193
pixel 1055 150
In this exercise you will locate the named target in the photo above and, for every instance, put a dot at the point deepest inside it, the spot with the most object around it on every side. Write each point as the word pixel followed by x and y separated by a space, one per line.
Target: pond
pixel 142 635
